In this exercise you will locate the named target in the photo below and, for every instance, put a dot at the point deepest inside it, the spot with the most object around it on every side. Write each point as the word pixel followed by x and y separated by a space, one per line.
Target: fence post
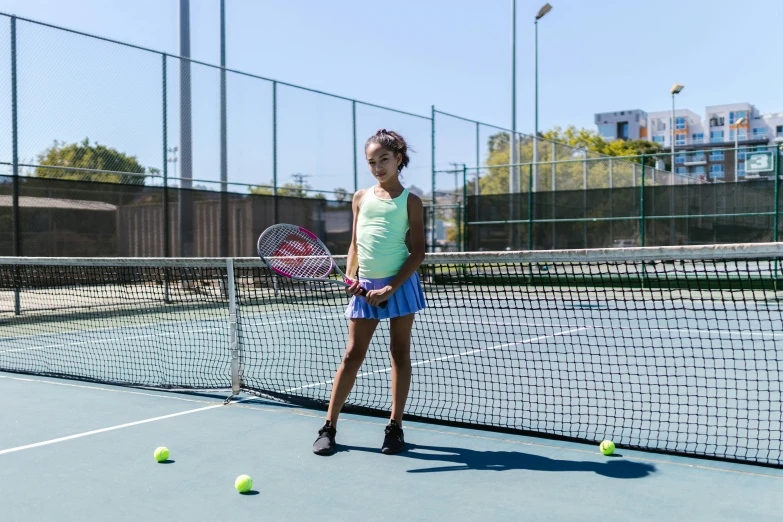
pixel 777 193
pixel 641 206
pixel 17 229
pixel 530 208
pixel 462 209
pixel 166 231
pixel 223 205
pixel 355 164
pixel 554 189
pixel 584 199
pixel 274 152
pixel 432 205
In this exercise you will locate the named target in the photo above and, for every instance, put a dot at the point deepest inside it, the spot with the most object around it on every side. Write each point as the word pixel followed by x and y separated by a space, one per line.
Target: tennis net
pixel 675 349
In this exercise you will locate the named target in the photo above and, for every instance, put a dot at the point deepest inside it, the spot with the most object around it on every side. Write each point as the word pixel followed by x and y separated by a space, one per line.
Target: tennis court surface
pixel 523 362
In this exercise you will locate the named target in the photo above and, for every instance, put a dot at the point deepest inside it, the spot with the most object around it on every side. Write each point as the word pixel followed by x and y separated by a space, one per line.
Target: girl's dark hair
pixel 392 141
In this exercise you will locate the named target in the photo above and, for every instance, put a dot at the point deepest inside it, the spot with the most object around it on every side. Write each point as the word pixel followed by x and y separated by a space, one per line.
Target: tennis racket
pixel 298 254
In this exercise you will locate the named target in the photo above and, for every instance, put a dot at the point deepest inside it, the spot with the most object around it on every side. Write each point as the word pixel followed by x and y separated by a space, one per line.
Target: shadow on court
pixel 462 459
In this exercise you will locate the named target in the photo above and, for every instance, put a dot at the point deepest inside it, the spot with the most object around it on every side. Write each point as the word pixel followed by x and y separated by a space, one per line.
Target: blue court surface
pixel 72 450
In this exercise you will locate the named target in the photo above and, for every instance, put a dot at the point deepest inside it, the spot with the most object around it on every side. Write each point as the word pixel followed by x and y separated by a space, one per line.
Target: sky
pixel 594 56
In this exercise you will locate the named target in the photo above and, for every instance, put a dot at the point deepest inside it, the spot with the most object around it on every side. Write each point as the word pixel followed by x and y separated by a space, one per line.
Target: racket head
pixel 295 252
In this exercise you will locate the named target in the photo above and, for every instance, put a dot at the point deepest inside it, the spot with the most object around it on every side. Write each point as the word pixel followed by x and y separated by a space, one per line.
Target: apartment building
pixel 704 148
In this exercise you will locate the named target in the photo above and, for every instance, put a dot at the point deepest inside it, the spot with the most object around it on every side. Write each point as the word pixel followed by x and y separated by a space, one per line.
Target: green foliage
pixel 95 157
pixel 571 147
pixel 292 190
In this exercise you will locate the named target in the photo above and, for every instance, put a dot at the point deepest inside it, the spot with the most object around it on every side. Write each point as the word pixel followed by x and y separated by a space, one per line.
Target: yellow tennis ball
pixel 243 483
pixel 161 454
pixel 607 447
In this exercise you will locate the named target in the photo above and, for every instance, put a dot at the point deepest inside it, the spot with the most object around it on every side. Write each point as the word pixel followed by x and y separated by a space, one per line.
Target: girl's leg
pixel 360 333
pixel 400 352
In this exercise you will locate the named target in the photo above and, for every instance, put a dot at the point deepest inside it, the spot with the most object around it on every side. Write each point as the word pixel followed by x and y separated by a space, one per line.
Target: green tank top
pixel 380 235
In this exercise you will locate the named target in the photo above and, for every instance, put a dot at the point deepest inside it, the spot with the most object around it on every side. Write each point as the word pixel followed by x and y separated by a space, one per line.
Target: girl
pixel 382 215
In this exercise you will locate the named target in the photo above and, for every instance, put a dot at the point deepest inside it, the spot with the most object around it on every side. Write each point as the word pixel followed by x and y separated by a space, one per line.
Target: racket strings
pixel 295 253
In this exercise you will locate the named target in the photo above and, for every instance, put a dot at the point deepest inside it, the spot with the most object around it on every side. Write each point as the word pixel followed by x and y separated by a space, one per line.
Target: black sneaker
pixel 325 444
pixel 394 442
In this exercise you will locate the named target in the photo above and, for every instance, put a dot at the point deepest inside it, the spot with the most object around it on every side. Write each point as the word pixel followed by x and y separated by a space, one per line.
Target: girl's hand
pixel 354 289
pixel 376 297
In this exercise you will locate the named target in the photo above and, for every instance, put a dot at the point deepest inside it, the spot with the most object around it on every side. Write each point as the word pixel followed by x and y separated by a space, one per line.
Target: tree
pixel 291 190
pixel 92 157
pixel 340 194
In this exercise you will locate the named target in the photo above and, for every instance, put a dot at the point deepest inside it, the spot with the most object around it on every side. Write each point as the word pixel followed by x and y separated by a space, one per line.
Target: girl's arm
pixel 416 224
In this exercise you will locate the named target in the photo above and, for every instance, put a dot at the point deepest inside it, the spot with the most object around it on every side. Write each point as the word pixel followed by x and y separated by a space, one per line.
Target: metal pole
pixel 223 210
pixel 355 161
pixel 584 199
pixel 530 209
pixel 432 204
pixel 477 188
pixel 777 193
pixel 641 206
pixel 16 232
pixel 554 189
pixel 185 207
pixel 166 231
pixel 166 224
pixel 535 133
pixel 674 124
pixel 463 208
pixel 736 155
pixel 274 153
pixel 512 183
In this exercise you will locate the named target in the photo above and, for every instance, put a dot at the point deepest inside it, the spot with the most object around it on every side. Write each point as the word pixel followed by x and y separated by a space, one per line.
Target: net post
pixel 233 337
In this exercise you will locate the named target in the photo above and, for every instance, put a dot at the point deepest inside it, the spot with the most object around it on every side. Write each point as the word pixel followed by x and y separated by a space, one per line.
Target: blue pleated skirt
pixel 408 299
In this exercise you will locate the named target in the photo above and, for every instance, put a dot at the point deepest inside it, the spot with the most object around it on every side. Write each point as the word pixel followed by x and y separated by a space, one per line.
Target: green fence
pixel 601 204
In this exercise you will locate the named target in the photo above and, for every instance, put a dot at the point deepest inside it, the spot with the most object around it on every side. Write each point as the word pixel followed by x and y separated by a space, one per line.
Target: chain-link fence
pixel 628 202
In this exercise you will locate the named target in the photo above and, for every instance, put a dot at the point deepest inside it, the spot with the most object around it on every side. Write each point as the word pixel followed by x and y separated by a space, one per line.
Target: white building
pixel 720 129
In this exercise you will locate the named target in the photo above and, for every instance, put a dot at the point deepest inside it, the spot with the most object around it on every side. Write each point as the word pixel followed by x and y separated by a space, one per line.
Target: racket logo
pixel 293 250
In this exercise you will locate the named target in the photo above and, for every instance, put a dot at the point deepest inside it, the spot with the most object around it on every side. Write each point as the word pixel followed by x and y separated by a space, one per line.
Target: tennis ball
pixel 607 447
pixel 243 483
pixel 161 454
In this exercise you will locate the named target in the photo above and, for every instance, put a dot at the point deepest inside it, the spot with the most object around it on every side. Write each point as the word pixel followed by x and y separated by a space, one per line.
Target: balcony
pixel 717 139
pixel 697 141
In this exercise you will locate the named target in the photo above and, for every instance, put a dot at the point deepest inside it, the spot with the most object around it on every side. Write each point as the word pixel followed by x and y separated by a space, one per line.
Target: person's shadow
pixel 466 459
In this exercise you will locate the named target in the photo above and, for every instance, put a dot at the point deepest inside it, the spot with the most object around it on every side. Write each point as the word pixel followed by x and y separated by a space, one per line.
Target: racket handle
pixel 363 292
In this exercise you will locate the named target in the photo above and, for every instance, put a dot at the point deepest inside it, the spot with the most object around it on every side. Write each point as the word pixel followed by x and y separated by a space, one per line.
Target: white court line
pixel 104 340
pixel 446 357
pixel 104 430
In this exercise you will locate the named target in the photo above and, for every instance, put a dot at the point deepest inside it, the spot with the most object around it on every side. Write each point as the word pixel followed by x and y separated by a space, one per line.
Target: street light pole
pixel 737 123
pixel 541 12
pixel 676 88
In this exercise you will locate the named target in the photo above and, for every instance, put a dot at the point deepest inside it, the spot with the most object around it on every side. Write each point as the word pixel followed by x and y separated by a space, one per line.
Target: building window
pixel 779 131
pixel 716 155
pixel 679 158
pixel 716 171
pixel 697 138
pixel 742 134
pixel 679 139
pixel 699 156
pixel 717 121
pixel 622 130
pixel 679 123
pixel 681 170
pixel 659 139
pixel 759 133
pixel 698 170
pixel 734 116
pixel 716 136
pixel 606 131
